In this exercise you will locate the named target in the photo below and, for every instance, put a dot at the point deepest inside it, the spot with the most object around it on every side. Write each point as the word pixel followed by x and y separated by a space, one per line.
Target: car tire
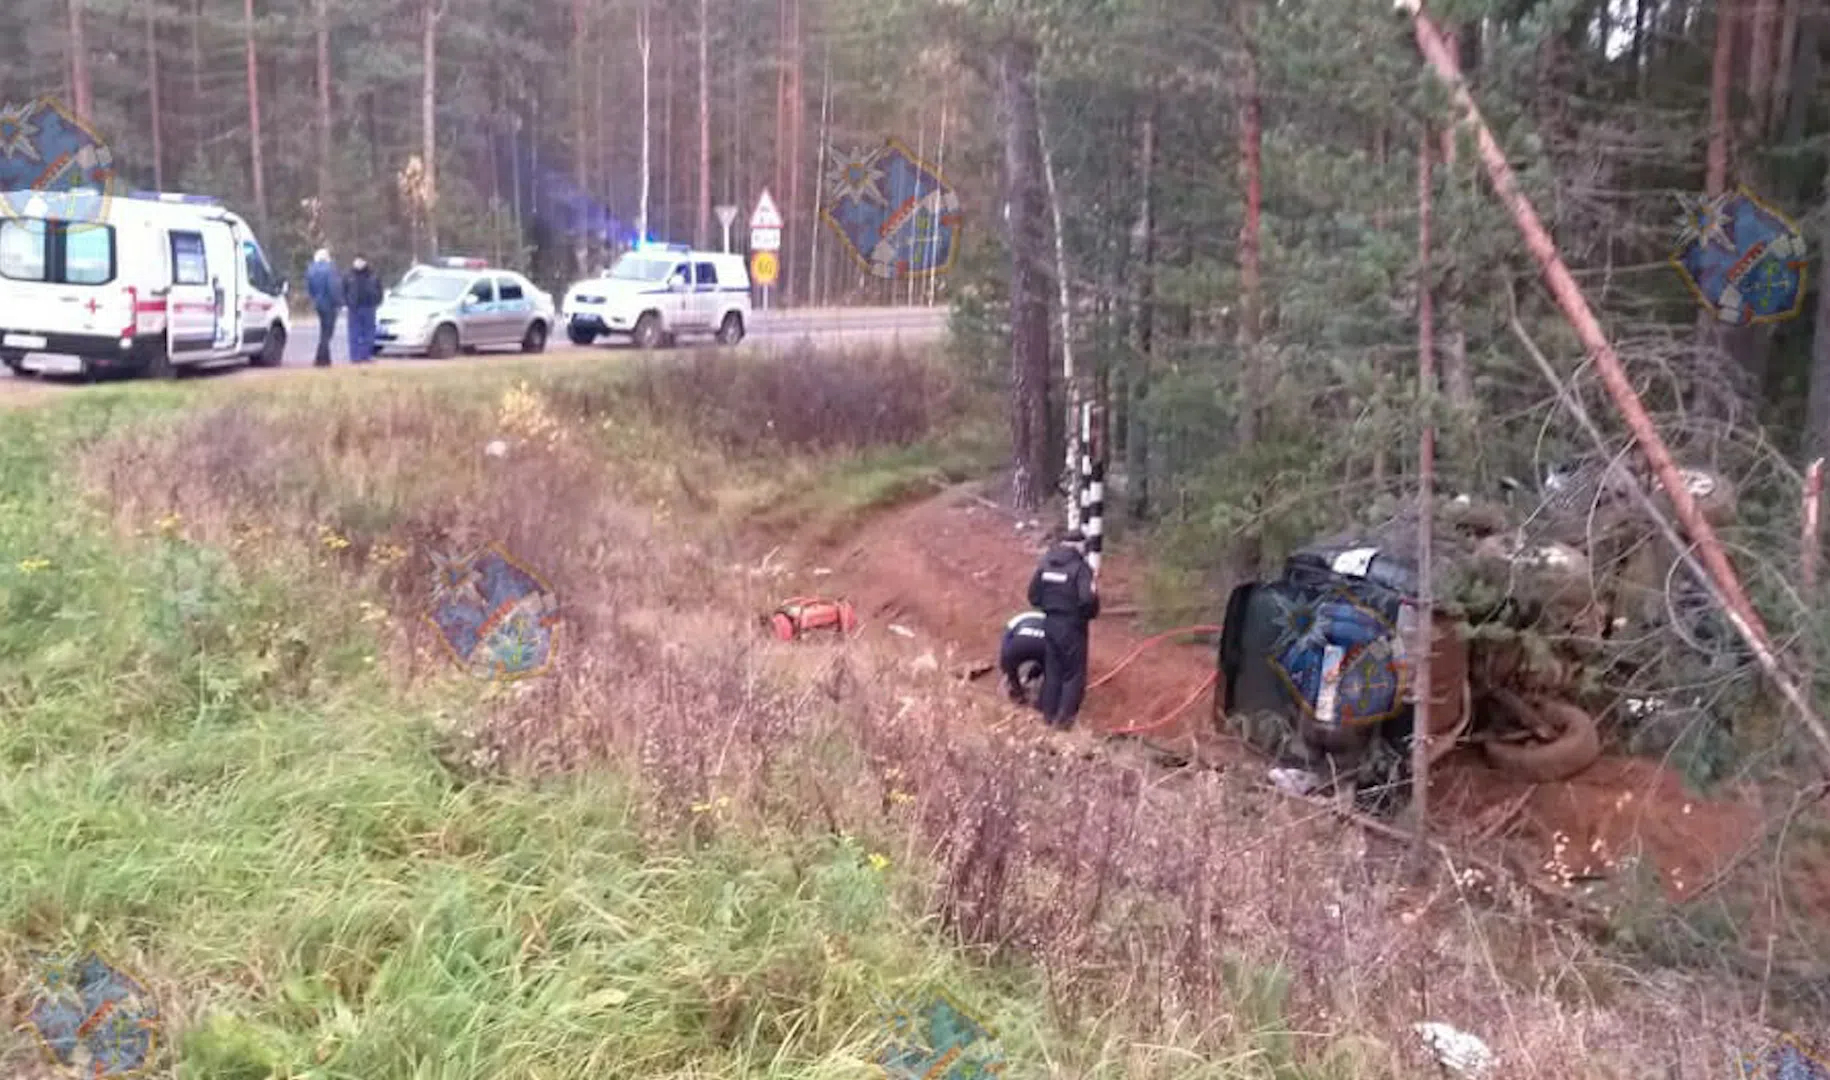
pixel 16 364
pixel 159 364
pixel 444 344
pixel 579 337
pixel 273 350
pixel 730 331
pixel 1576 747
pixel 534 341
pixel 648 331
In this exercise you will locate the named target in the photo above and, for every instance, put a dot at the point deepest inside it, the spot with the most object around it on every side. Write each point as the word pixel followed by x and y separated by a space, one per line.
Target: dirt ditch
pixel 949 570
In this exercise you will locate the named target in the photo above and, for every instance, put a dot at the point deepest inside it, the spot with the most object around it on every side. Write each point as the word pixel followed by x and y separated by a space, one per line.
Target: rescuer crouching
pixel 1064 591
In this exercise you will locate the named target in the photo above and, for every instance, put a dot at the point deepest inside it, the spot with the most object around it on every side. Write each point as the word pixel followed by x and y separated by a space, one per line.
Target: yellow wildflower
pixel 32 566
pixel 879 862
pixel 170 523
pixel 331 540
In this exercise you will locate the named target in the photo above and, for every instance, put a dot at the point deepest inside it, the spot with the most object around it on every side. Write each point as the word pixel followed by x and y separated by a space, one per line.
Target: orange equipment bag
pixel 801 614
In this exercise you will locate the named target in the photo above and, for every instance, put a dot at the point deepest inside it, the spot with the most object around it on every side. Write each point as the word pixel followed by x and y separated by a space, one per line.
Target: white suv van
pixel 655 294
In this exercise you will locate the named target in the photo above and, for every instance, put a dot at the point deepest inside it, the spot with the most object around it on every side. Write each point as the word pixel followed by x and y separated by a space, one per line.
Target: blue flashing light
pixel 174 197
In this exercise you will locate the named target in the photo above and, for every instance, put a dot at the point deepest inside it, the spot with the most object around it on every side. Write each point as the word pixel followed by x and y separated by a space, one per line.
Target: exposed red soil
pixel 952 569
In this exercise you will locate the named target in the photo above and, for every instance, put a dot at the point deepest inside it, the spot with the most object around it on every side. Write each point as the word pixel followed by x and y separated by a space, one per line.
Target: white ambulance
pixel 160 281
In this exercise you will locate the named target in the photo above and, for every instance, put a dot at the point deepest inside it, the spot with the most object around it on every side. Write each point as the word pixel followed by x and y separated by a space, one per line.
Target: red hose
pixel 1145 644
pixel 1163 721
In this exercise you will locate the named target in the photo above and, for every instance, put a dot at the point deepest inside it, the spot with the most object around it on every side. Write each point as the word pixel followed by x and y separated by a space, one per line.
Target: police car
pixel 657 292
pixel 148 281
pixel 462 303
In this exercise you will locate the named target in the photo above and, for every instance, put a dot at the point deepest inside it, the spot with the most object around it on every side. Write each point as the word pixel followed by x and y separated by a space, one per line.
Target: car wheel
pixel 730 332
pixel 444 343
pixel 1576 746
pixel 273 350
pixel 580 337
pixel 159 364
pixel 534 341
pixel 647 331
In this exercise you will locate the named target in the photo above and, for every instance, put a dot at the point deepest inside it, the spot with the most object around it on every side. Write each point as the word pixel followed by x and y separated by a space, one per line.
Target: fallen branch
pixel 1725 586
pixel 1768 661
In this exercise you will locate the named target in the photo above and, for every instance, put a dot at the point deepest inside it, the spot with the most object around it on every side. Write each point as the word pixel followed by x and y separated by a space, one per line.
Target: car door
pixel 515 306
pixel 479 323
pixel 225 271
pixel 678 301
pixel 705 296
pixel 190 321
pixel 261 299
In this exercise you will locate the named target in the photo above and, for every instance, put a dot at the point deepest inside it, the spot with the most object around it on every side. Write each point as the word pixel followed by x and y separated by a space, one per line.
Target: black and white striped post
pixel 1092 487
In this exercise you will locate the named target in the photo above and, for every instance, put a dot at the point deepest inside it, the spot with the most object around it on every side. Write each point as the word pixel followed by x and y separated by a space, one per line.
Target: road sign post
pixel 726 215
pixel 765 241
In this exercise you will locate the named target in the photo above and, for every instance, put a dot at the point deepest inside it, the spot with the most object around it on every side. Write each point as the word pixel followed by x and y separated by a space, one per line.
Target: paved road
pixel 770 330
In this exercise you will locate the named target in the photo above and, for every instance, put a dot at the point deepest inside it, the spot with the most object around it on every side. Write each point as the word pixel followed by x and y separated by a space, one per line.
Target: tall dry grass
pixel 1187 923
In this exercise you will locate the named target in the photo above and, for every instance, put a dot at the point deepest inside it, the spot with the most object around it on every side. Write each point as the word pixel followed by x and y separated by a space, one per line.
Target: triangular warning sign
pixel 766 215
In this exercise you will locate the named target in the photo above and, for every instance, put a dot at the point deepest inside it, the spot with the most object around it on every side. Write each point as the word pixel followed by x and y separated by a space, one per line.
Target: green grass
pixel 206 777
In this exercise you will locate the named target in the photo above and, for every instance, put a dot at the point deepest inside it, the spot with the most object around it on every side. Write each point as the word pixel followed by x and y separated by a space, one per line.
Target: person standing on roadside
pixel 362 295
pixel 325 285
pixel 1064 591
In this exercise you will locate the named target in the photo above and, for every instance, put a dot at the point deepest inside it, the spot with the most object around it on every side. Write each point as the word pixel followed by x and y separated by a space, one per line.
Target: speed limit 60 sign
pixel 763 267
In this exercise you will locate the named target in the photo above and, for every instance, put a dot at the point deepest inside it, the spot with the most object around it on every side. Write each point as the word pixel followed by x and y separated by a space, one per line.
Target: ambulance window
pixel 22 250
pixel 189 267
pixel 260 275
pixel 88 254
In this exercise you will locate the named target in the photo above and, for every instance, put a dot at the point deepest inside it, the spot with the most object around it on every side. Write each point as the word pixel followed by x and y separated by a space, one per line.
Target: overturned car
pixel 1530 610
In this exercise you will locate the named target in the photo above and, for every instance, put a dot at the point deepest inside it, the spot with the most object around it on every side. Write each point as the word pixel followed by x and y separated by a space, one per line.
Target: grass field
pixel 235 761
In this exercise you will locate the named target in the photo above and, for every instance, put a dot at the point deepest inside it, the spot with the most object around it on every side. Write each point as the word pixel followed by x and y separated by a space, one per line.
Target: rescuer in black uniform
pixel 1023 656
pixel 1063 590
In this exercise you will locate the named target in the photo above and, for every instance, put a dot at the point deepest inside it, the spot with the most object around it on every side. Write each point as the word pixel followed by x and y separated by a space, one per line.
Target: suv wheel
pixel 580 337
pixel 730 331
pixel 648 331
pixel 444 343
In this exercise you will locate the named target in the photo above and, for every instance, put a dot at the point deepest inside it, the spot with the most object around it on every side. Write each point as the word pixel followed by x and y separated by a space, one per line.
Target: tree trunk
pixel 428 116
pixel 669 61
pixel 702 219
pixel 1029 336
pixel 1721 81
pixel 645 43
pixel 254 113
pixel 152 88
pixel 1783 65
pixel 1817 426
pixel 324 120
pixel 582 140
pixel 1137 420
pixel 1457 374
pixel 1248 551
pixel 1763 29
pixel 80 87
pixel 797 109
pixel 1802 79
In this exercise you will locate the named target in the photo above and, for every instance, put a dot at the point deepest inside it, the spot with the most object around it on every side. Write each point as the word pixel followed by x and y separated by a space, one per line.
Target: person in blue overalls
pixel 1023 655
pixel 326 288
pixel 362 295
pixel 1064 590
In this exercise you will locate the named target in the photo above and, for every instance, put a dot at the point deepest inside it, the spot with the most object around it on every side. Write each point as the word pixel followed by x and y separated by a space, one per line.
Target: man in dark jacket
pixel 362 295
pixel 1064 591
pixel 1023 655
pixel 326 288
